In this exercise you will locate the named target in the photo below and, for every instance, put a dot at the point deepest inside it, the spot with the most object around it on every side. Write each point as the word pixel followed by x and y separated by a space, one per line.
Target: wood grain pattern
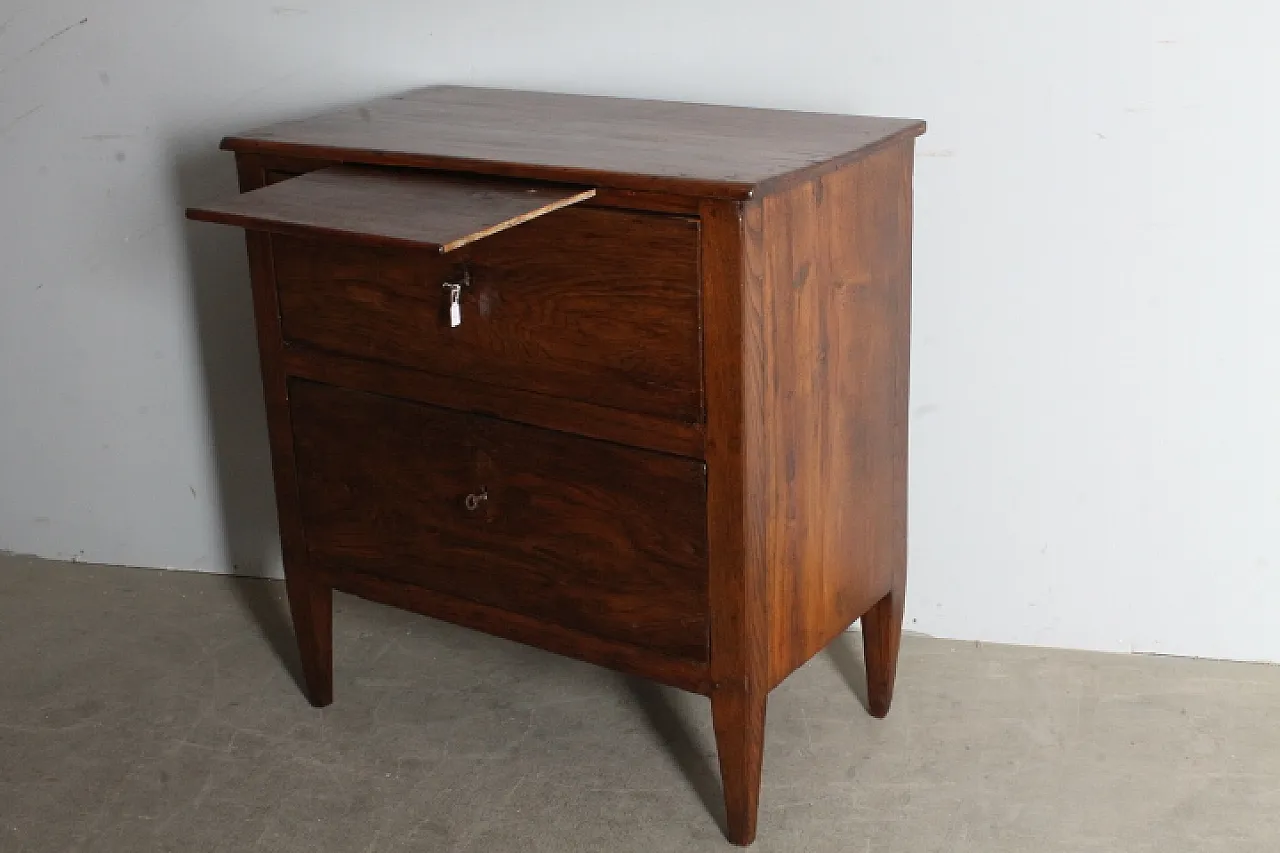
pixel 649 432
pixel 737 716
pixel 757 319
pixel 739 628
pixel 311 608
pixel 284 168
pixel 881 639
pixel 389 207
pixel 624 657
pixel 684 149
pixel 836 292
pixel 594 536
pixel 600 306
pixel 310 602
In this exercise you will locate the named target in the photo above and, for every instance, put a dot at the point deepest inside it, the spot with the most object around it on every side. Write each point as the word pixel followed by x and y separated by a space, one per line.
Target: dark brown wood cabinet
pixel 625 380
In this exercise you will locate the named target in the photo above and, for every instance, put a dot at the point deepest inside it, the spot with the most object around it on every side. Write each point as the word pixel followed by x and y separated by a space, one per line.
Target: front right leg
pixel 738 715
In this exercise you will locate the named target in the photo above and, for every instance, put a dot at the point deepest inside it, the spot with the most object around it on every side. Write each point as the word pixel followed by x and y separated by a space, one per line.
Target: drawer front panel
pixel 590 535
pixel 590 304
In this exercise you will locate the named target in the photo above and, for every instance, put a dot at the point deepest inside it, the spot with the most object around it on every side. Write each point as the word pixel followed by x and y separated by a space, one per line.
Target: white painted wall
pixel 1096 412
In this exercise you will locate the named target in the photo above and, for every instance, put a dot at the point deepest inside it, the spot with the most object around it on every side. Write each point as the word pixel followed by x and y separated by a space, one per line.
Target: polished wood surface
pixel 650 432
pixel 832 330
pixel 591 535
pixel 389 207
pixel 282 168
pixel 600 306
pixel 807 315
pixel 739 573
pixel 685 149
pixel 683 673
pixel 881 640
pixel 683 400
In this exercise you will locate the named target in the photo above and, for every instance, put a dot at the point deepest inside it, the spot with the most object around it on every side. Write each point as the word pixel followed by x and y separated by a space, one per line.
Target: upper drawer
pixel 590 304
pixel 499 282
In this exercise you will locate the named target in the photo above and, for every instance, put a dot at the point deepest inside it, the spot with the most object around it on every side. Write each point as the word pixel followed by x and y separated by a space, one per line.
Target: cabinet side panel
pixel 835 330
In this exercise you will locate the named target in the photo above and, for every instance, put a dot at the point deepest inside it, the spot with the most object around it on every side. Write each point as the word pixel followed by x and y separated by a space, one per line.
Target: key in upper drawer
pixel 471 278
pixel 589 304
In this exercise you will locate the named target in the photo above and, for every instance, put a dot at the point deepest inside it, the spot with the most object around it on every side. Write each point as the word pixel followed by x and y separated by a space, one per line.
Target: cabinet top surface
pixel 660 146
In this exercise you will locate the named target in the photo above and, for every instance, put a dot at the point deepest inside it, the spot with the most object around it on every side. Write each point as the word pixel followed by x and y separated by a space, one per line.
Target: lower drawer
pixel 586 534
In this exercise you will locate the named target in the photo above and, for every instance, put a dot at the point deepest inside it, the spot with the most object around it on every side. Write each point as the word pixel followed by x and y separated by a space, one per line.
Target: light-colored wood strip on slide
pixel 389 207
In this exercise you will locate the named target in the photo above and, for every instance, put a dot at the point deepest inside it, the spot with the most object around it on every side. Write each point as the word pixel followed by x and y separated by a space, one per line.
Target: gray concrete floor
pixel 144 710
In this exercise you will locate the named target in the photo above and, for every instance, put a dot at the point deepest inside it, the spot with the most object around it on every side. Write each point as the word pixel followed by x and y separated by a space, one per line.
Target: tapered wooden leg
pixel 739 722
pixel 881 639
pixel 311 605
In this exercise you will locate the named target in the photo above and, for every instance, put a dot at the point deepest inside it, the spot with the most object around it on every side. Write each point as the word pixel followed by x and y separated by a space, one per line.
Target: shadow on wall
pixel 222 313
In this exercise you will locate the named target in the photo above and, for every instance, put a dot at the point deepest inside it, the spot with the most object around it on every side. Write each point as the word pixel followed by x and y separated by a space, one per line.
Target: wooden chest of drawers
pixel 624 380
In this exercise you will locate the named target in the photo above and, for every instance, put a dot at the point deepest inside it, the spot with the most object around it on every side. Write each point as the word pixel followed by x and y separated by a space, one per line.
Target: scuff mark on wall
pixel 17 121
pixel 59 33
pixel 49 39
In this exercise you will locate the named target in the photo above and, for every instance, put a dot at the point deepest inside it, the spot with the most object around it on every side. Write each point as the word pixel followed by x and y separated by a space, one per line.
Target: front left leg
pixel 311 606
